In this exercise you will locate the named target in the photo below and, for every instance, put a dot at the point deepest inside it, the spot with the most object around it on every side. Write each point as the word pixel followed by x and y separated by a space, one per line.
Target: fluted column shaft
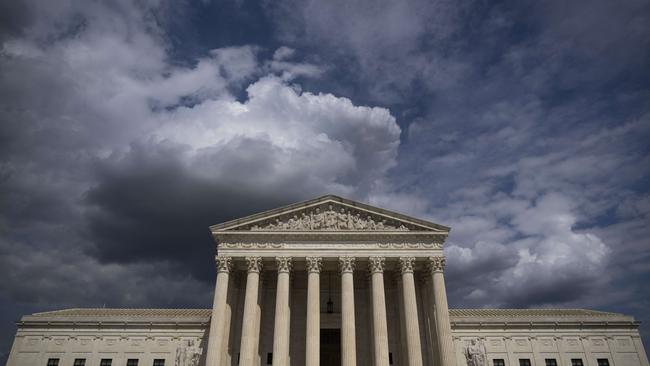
pixel 410 312
pixel 312 356
pixel 218 332
pixel 380 327
pixel 282 317
pixel 443 327
pixel 250 324
pixel 348 336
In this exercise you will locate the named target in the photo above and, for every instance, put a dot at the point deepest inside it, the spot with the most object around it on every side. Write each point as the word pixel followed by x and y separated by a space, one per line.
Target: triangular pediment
pixel 328 213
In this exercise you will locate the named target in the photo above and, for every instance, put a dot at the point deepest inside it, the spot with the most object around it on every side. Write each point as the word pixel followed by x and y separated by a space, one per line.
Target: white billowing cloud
pixel 326 137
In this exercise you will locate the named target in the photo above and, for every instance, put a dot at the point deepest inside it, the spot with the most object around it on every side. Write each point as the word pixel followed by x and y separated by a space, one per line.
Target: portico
pixel 295 252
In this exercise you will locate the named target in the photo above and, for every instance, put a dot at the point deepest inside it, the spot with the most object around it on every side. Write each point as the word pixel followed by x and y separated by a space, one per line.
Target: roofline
pixel 325 198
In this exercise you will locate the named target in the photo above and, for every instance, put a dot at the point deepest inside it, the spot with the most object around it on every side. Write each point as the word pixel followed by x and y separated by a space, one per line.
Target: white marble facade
pixel 328 282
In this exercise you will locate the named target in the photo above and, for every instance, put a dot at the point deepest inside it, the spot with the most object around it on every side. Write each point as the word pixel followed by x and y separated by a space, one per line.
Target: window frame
pixel 53 361
pixel 577 362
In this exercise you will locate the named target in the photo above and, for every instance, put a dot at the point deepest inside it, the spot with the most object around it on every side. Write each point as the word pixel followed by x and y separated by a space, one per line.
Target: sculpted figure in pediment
pixel 317 219
pixel 329 218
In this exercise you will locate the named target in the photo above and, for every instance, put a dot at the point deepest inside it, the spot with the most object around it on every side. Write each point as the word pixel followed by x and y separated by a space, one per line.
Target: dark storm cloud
pixel 148 206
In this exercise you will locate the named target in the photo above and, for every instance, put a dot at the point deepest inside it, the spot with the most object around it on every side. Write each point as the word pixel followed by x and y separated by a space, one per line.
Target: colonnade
pixel 250 331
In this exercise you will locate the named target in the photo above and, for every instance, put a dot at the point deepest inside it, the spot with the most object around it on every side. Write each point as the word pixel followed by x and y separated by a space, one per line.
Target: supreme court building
pixel 328 281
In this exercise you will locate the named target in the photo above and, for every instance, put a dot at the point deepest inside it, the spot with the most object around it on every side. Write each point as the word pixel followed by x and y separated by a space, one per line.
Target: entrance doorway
pixel 330 347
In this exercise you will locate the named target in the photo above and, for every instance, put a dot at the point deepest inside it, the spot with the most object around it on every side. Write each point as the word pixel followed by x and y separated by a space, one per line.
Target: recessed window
pixel 159 362
pixel 390 358
pixel 603 362
pixel 79 362
pixel 524 362
pixel 498 362
pixel 550 362
pixel 132 362
pixel 52 362
pixel 105 362
pixel 269 358
pixel 576 362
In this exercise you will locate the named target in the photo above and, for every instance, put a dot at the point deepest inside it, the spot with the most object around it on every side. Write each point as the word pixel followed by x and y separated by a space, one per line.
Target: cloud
pixel 115 158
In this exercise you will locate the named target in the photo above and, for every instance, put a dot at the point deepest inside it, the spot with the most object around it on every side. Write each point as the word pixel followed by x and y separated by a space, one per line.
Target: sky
pixel 128 127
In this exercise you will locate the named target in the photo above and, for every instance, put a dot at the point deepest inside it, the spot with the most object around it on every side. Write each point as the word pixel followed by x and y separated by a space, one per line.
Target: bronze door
pixel 330 347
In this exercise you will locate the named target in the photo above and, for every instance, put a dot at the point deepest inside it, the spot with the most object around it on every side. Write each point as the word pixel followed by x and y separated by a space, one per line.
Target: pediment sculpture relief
pixel 329 218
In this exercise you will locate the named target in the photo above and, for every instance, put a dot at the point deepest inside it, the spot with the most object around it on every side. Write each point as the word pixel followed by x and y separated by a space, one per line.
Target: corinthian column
pixel 443 328
pixel 218 332
pixel 281 330
pixel 250 324
pixel 314 266
pixel 409 302
pixel 380 328
pixel 348 337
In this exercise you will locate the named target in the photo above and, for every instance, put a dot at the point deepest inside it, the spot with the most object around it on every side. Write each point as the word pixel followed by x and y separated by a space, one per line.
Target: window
pixel 576 362
pixel 498 362
pixel 550 362
pixel 79 362
pixel 132 362
pixel 52 362
pixel 603 362
pixel 524 362
pixel 390 358
pixel 269 358
pixel 159 362
pixel 105 362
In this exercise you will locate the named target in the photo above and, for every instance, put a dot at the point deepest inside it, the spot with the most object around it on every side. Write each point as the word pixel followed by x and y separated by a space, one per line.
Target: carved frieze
pixel 330 217
pixel 271 246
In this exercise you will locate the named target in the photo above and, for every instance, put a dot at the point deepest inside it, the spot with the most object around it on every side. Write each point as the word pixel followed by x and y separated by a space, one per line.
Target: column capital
pixel 314 264
pixel 436 264
pixel 284 264
pixel 346 264
pixel 254 264
pixel 376 264
pixel 406 264
pixel 224 263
